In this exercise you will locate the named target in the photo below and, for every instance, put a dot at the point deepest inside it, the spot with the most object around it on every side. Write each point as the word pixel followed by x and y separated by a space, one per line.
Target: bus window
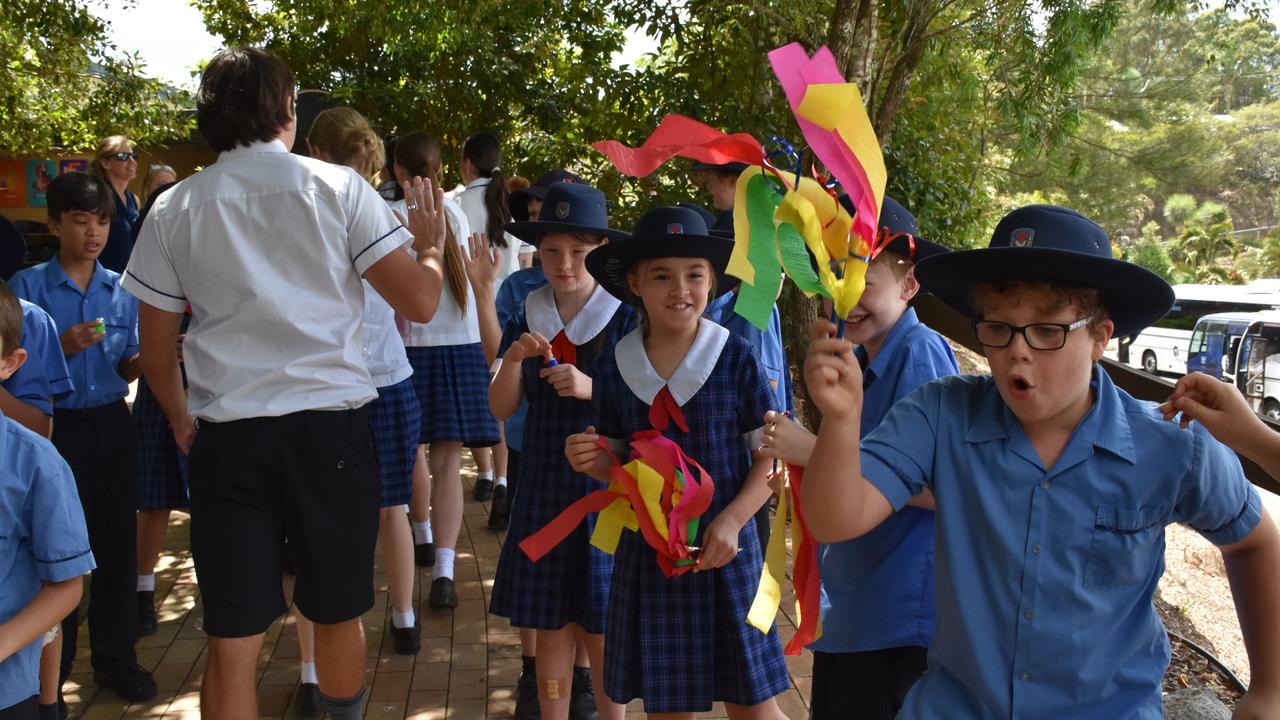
pixel 1207 345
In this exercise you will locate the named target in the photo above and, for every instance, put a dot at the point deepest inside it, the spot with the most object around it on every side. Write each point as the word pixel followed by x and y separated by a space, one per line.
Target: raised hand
pixel 481 261
pixel 424 205
pixel 832 374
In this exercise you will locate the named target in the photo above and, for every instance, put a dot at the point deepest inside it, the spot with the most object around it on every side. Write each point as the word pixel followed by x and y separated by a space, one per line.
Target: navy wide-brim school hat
pixel 732 167
pixel 902 228
pixel 568 207
pixel 518 201
pixel 1052 244
pixel 661 232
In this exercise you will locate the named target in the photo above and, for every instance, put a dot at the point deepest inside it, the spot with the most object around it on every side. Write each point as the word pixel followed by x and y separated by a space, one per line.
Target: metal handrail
pixel 956 327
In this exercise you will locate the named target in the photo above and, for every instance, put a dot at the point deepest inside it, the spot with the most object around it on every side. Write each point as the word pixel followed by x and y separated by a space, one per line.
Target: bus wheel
pixel 1149 362
pixel 1271 409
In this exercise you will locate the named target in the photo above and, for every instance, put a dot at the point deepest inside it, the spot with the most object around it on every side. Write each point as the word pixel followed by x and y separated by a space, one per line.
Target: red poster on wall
pixel 13 183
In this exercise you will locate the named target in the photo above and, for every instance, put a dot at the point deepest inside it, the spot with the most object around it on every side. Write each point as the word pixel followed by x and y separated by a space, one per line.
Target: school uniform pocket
pixel 1127 545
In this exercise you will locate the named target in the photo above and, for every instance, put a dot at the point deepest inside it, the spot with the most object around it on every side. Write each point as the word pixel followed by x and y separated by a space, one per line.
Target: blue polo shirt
pixel 768 343
pixel 878 590
pixel 93 370
pixel 42 538
pixel 1045 577
pixel 43 377
pixel 511 295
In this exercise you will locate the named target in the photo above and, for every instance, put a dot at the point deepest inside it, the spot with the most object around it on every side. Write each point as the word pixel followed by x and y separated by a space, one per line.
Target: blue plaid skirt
pixel 452 382
pixel 395 418
pixel 162 468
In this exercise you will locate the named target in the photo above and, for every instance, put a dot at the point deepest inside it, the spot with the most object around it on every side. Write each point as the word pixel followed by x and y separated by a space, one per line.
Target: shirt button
pixel 1044 485
pixel 1028 614
pixel 1035 549
pixel 340 464
pixel 1025 675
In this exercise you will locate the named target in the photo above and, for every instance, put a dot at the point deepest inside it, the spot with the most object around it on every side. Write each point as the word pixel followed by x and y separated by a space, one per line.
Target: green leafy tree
pixel 65 84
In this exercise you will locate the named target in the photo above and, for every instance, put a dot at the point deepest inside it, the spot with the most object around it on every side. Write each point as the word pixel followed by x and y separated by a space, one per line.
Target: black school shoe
pixel 309 703
pixel 146 613
pixel 134 684
pixel 408 641
pixel 443 595
pixel 500 509
pixel 582 701
pixel 424 554
pixel 527 707
pixel 483 490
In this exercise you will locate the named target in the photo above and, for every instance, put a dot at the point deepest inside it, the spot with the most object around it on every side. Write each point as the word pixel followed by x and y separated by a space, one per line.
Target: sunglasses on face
pixel 126 156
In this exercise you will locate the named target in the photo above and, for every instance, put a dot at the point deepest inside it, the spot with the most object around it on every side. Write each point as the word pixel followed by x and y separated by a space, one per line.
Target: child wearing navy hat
pixel 878 610
pixel 1052 487
pixel 526 203
pixel 682 643
pixel 548 349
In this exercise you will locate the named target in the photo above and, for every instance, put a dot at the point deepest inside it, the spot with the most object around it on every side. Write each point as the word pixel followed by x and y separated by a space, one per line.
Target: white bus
pixel 1162 348
pixel 1242 349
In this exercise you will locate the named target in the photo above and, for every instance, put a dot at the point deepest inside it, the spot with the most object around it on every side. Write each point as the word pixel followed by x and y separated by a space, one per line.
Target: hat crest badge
pixel 675 229
pixel 1022 237
pixel 562 209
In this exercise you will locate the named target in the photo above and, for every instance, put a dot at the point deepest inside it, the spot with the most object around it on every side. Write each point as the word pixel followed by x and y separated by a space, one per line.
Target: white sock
pixel 485 475
pixel 402 619
pixel 444 564
pixel 309 674
pixel 500 481
pixel 147 583
pixel 421 532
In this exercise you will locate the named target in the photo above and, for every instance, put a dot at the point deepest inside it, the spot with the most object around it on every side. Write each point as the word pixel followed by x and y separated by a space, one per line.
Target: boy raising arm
pixel 1053 487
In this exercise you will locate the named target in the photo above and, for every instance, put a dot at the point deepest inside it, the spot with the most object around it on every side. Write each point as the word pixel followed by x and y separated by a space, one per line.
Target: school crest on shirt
pixel 562 210
pixel 1022 237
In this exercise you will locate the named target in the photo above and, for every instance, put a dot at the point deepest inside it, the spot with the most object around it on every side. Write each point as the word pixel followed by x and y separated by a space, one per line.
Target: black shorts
pixel 310 478
pixel 867 685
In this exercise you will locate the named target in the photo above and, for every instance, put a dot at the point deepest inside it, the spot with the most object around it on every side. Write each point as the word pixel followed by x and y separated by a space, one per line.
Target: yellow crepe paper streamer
pixel 764 608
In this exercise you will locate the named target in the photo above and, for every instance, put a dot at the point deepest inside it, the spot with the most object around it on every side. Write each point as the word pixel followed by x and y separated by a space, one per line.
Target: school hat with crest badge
pixel 901 229
pixel 518 201
pixel 660 232
pixel 568 208
pixel 1052 244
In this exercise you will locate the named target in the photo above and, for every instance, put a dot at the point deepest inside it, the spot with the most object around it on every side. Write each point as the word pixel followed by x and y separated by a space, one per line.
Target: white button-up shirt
pixel 268 249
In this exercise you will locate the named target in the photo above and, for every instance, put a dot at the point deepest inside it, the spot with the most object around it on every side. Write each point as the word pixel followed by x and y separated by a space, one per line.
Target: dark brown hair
pixel 1056 295
pixel 79 191
pixel 485 154
pixel 10 322
pixel 419 154
pixel 242 98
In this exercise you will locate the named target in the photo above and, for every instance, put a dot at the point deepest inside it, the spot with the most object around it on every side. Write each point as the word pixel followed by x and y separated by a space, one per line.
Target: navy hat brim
pixel 920 249
pixel 532 231
pixel 1134 296
pixel 610 263
pixel 733 167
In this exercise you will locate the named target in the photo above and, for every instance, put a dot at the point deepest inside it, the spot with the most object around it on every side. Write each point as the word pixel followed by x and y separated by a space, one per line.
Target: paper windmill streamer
pixel 661 492
pixel 678 135
pixel 804 574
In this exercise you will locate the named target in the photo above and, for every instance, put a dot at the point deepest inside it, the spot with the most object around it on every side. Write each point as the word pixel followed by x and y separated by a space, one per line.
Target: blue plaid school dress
pixel 452 382
pixel 162 468
pixel 682 643
pixel 570 583
pixel 395 418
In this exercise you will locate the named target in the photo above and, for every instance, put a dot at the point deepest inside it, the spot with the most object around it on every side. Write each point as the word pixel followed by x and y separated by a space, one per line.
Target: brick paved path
pixel 466 670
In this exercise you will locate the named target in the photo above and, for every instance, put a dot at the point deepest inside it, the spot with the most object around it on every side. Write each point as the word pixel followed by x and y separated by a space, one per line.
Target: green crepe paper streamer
pixel 755 302
pixel 795 260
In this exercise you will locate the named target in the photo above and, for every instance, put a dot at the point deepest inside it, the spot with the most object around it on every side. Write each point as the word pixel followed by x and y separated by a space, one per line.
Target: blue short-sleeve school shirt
pixel 878 590
pixel 44 377
pixel 768 344
pixel 1045 576
pixel 93 370
pixel 510 305
pixel 42 539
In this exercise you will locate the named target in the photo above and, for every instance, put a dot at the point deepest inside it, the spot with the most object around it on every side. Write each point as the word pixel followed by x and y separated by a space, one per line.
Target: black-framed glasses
pixel 1039 336
pixel 126 156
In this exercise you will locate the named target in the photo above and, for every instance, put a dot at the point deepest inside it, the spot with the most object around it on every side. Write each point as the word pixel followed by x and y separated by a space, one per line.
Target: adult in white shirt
pixel 268 249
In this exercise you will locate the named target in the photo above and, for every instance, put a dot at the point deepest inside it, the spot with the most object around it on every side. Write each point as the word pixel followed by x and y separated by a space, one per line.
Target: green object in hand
pixel 101 327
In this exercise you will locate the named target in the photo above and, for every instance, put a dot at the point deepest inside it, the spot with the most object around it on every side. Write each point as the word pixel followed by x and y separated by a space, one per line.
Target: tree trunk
pixel 914 41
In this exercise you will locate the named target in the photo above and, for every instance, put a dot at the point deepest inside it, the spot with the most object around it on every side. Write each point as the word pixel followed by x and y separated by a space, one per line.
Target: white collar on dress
pixel 690 375
pixel 543 317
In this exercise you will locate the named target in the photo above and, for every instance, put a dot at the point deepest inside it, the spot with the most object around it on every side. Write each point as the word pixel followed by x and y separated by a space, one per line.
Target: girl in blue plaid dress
pixel 451 376
pixel 682 643
pixel 564 596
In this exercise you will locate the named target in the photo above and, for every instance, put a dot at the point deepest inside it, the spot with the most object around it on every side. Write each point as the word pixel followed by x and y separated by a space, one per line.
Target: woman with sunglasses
pixel 116 162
